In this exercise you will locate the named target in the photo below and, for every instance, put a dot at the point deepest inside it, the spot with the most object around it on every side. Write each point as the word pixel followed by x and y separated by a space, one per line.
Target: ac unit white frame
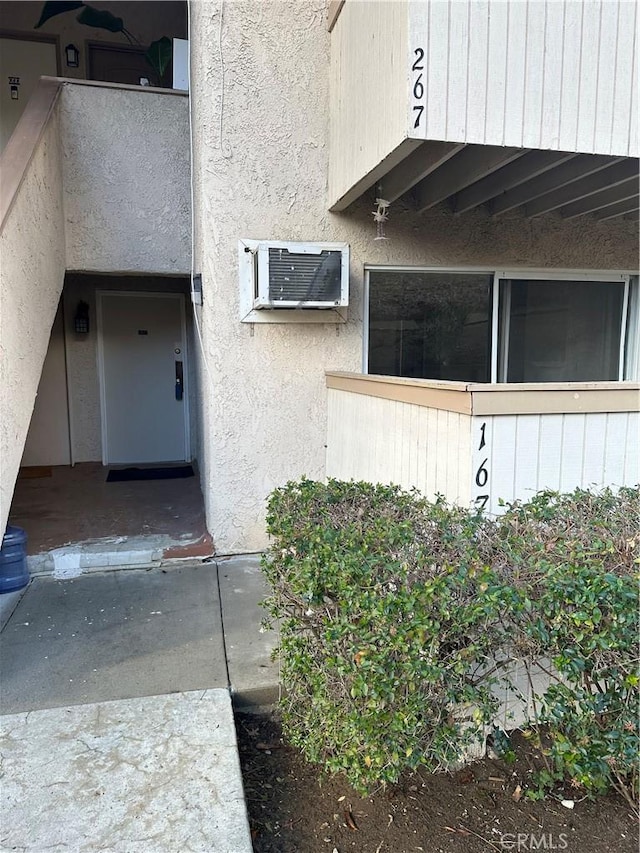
pixel 312 312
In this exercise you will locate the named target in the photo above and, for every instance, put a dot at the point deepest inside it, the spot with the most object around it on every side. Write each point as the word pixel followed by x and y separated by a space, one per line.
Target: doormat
pixel 175 472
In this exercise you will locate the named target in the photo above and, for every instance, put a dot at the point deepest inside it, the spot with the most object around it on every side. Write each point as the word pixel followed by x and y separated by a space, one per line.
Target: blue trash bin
pixel 14 573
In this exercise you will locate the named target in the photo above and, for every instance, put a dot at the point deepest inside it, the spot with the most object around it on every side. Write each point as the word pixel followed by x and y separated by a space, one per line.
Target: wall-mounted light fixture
pixel 73 56
pixel 81 319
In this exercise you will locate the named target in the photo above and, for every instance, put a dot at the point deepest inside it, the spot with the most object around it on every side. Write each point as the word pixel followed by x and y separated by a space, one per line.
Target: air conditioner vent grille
pixel 298 277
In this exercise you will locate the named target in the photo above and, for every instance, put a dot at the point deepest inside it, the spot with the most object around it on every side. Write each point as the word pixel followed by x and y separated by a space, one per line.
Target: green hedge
pixel 394 610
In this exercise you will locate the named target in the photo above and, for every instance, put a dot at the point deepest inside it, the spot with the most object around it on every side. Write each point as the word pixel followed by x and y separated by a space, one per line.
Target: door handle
pixel 179 381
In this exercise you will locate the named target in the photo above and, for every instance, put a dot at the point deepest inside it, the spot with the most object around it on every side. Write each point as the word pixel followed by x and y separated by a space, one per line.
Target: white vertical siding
pixel 495 458
pixel 551 427
pixel 606 82
pixel 518 693
pixel 550 74
pixel 632 455
pixel 458 72
pixel 368 89
pixel 513 70
pixel 593 449
pixel 477 76
pixel 570 461
pixel 625 87
pixel 387 441
pixel 633 117
pixel 436 64
pixel 534 77
pixel 571 72
pixel 527 453
pixel 496 80
pixel 587 104
pixel 527 442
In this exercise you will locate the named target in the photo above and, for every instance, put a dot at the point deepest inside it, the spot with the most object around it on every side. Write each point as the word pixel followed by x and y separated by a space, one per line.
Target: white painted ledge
pixel 474 398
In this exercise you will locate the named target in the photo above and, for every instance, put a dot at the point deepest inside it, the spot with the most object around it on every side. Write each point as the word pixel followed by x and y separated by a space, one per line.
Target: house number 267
pixel 482 472
pixel 418 86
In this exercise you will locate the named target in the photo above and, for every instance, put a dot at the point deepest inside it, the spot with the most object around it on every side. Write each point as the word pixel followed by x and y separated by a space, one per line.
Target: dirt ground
pixel 292 809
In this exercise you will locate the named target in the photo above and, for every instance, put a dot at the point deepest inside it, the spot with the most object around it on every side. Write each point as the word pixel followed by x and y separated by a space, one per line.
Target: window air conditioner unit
pixel 301 275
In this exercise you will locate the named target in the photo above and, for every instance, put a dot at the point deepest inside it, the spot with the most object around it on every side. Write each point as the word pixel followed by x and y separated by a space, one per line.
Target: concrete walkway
pixel 136 776
pixel 116 690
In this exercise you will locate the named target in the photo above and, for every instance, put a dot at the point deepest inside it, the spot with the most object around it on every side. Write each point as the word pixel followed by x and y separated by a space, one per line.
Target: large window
pixel 430 325
pixel 483 326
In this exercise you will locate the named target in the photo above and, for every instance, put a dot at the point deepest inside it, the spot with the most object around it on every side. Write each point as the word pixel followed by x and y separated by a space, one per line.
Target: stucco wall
pixel 260 164
pixel 126 179
pixel 31 276
pixel 47 441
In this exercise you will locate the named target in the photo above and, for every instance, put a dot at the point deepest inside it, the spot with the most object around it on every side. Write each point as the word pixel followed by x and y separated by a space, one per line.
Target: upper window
pixel 481 327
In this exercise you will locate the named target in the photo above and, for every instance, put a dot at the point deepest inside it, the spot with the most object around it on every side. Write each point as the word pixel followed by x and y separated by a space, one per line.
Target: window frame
pixel 502 308
pixel 629 354
pixel 369 268
pixel 632 336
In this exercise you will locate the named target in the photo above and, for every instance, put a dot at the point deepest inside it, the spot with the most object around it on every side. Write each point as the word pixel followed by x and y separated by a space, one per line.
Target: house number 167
pixel 482 472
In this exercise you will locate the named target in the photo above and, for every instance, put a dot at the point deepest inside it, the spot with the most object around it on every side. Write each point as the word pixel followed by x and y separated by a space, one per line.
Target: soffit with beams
pixel 502 179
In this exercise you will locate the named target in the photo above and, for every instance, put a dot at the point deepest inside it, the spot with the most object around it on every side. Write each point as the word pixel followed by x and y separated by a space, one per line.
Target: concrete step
pixel 116 553
pixel 253 673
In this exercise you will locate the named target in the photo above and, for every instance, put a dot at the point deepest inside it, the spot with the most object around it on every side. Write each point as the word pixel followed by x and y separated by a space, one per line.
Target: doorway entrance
pixel 143 376
pixel 115 63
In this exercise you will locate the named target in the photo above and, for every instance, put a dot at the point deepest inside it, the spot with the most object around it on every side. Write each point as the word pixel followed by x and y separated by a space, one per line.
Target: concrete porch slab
pixel 114 635
pixel 78 505
pixel 151 775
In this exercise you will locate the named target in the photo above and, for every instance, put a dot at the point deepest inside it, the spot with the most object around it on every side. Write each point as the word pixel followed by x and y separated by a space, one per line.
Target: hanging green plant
pixel 159 55
pixel 49 10
pixel 100 19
